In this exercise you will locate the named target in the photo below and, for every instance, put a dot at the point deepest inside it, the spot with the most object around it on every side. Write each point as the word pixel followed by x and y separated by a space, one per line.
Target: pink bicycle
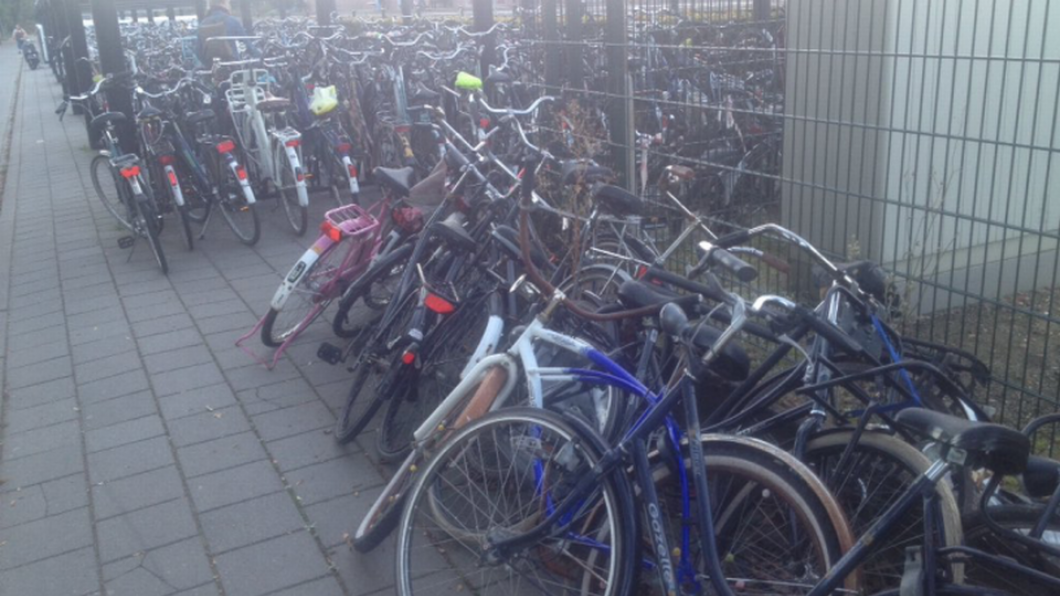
pixel 355 252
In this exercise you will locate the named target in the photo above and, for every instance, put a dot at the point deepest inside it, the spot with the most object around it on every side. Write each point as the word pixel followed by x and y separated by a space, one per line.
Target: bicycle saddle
pixel 732 363
pixel 635 294
pixel 200 116
pixel 423 95
pixel 508 239
pixel 498 78
pixel 97 123
pixel 579 171
pixel 617 201
pixel 454 234
pixel 148 112
pixel 273 104
pixel 399 180
pixel 1041 477
pixel 997 448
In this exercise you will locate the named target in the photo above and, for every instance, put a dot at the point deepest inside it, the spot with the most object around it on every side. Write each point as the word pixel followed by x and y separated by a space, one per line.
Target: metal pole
pixel 244 13
pixel 112 61
pixel 574 37
pixel 200 9
pixel 324 10
pixel 622 148
pixel 171 14
pixel 150 15
pixel 406 11
pixel 60 29
pixel 763 10
pixel 81 74
pixel 482 16
pixel 553 55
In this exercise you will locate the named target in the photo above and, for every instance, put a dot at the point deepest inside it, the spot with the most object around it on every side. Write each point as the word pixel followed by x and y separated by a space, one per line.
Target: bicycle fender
pixel 299 177
pixel 300 267
pixel 487 344
pixel 355 185
pixel 174 185
pixel 244 180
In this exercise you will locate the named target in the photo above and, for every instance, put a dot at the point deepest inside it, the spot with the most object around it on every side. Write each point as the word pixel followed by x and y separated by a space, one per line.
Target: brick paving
pixel 142 452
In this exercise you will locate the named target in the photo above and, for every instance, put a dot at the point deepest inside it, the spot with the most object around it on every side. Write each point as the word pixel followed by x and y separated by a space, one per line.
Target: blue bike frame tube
pixel 656 524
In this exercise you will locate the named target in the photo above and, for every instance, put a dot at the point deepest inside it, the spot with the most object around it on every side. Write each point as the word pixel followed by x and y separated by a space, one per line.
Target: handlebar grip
pixel 828 331
pixel 711 292
pixel 723 258
pixel 738 237
pixel 776 263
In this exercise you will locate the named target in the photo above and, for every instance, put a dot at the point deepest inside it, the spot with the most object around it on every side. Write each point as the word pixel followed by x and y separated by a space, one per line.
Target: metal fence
pixel 921 135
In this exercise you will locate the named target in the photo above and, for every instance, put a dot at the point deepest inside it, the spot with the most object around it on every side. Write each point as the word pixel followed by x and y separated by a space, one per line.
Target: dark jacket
pixel 219 23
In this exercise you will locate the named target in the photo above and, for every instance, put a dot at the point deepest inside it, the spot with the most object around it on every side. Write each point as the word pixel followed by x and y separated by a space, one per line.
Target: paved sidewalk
pixel 142 453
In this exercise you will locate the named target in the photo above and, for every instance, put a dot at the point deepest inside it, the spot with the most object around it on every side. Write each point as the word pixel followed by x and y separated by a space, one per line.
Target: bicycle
pixel 122 187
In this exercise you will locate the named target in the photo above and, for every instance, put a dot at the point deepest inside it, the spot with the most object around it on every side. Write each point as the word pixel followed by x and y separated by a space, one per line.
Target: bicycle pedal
pixel 329 353
pixel 126 242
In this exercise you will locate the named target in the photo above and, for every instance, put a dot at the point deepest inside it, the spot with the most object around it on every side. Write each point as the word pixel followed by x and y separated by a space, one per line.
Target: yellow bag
pixel 468 82
pixel 324 100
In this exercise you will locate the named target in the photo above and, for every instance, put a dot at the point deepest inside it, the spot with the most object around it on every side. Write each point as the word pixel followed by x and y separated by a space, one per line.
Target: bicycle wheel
pixel 1021 518
pixel 880 469
pixel 777 529
pixel 310 297
pixel 148 224
pixel 287 185
pixel 240 215
pixel 385 512
pixel 496 478
pixel 597 284
pixel 381 279
pixel 447 351
pixel 111 189
pixel 378 373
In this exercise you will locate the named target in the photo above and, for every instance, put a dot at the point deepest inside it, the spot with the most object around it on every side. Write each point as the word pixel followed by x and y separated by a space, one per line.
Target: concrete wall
pixel 932 133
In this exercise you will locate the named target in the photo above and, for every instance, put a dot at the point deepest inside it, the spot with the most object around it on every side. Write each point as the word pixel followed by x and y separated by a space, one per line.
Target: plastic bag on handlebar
pixel 468 82
pixel 325 99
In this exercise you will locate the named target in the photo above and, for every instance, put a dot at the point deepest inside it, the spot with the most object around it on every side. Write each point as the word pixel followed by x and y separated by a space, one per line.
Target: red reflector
pixel 293 142
pixel 343 147
pixel 331 231
pixel 641 271
pixel 131 172
pixel 241 173
pixel 401 129
pixel 408 357
pixel 438 304
pixel 172 178
pixel 484 123
pixel 226 146
pixel 299 176
pixel 352 169
pixel 166 160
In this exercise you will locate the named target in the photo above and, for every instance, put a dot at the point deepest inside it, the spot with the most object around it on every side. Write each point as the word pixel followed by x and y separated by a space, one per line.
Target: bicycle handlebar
pixel 513 112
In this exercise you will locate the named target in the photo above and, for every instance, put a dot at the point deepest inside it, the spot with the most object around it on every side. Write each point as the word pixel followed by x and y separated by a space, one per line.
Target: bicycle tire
pixel 385 512
pixel 379 277
pixel 233 203
pixel 744 475
pixel 359 410
pixel 308 299
pixel 596 283
pixel 883 467
pixel 1020 518
pixel 603 526
pixel 149 221
pixel 447 351
pixel 287 186
pixel 110 187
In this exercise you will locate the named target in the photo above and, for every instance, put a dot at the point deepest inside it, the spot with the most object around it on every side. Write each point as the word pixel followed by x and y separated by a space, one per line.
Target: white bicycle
pixel 273 148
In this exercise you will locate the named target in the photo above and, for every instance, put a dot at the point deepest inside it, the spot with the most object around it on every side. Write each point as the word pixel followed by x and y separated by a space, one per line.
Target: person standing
pixel 219 22
pixel 20 37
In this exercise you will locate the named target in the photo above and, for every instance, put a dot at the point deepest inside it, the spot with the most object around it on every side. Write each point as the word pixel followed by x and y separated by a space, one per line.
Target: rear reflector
pixel 438 304
pixel 241 173
pixel 166 160
pixel 293 142
pixel 408 357
pixel 331 231
pixel 172 178
pixel 343 147
pixel 131 172
pixel 226 146
pixel 352 169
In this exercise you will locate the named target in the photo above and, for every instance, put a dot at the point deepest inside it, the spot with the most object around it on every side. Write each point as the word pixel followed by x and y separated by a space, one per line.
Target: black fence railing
pixel 921 135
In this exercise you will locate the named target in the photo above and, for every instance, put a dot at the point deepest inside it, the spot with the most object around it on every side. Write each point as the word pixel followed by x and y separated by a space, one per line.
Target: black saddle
pixel 1000 449
pixel 635 294
pixel 149 112
pixel 732 363
pixel 97 123
pixel 1041 477
pixel 200 116
pixel 399 180
pixel 423 95
pixel 580 171
pixel 617 201
pixel 454 234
